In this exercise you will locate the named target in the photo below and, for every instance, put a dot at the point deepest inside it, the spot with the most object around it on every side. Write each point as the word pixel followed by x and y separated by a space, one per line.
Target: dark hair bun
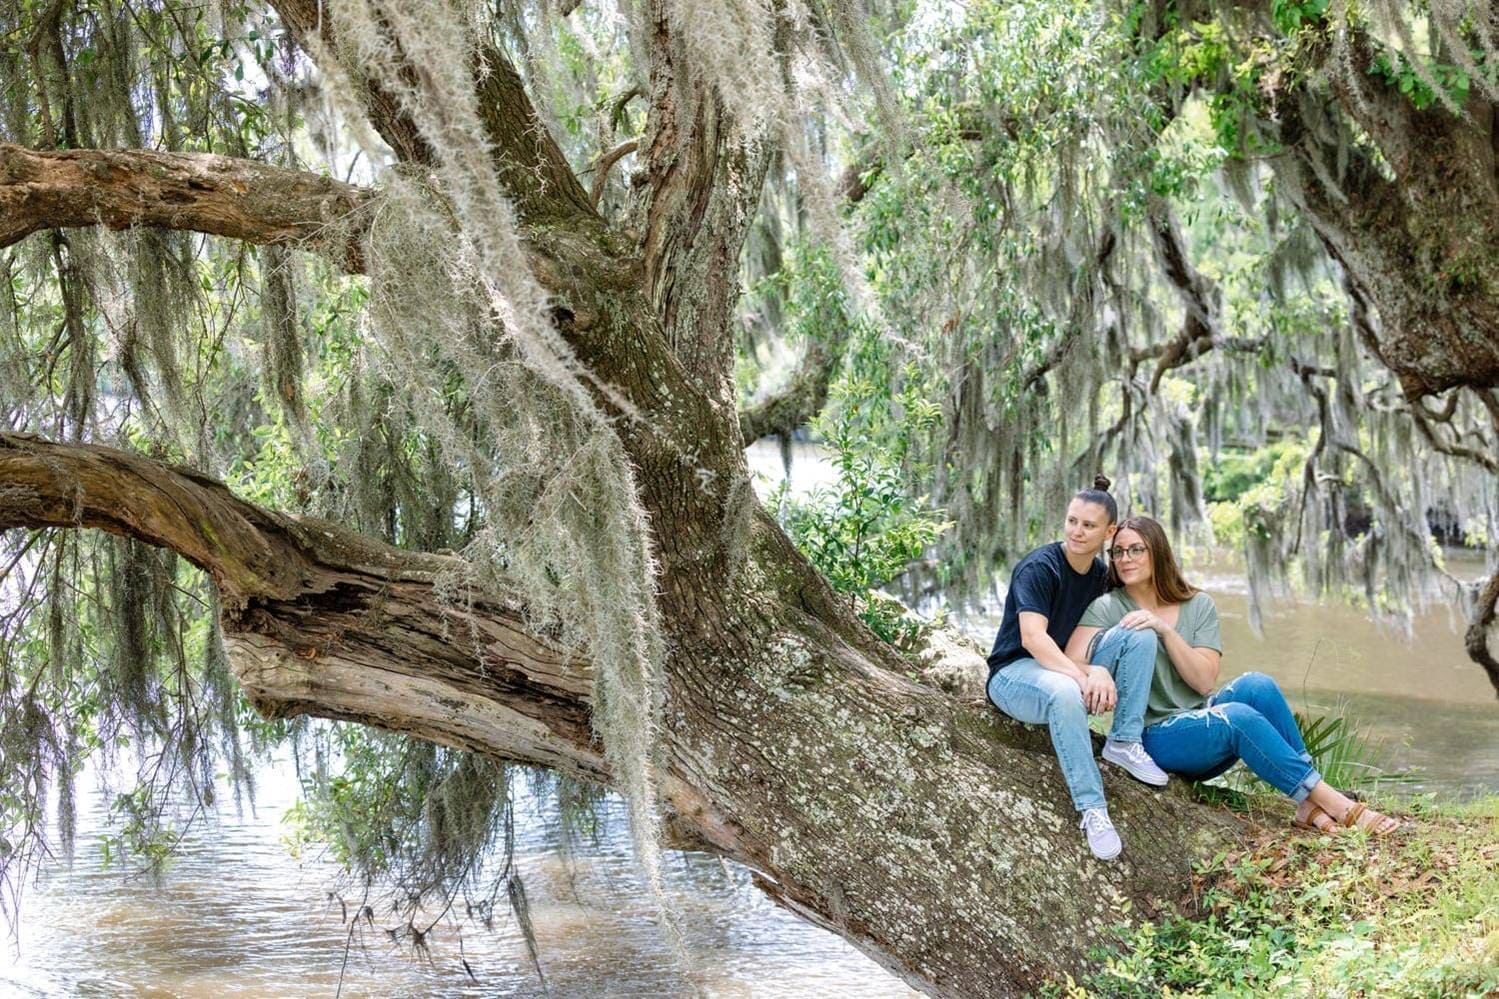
pixel 1101 483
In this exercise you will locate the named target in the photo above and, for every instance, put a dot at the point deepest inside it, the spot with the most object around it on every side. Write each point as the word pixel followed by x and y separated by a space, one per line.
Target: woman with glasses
pixel 1031 680
pixel 1190 730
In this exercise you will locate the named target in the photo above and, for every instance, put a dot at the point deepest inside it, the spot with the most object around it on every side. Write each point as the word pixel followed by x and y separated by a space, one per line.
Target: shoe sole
pixel 1143 779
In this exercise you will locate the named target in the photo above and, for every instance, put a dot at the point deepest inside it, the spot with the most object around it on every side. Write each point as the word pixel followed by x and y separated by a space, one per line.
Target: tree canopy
pixel 507 287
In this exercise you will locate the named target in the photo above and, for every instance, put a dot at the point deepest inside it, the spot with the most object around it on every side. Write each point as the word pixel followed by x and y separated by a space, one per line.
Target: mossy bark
pixel 1406 199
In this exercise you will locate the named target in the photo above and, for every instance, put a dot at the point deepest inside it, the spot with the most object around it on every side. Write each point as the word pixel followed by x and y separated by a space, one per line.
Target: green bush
pixel 1235 473
pixel 864 531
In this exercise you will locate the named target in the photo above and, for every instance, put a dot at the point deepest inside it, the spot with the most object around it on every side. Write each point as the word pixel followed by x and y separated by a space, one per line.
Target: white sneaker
pixel 1103 839
pixel 1133 757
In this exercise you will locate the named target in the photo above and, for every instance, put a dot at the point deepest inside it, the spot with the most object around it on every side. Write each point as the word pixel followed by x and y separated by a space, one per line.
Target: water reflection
pixel 236 915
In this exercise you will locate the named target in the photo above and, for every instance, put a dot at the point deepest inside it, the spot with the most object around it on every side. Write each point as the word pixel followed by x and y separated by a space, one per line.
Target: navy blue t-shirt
pixel 1045 583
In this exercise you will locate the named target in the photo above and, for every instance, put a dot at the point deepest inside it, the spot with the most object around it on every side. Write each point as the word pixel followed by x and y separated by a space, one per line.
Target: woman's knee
pixel 1241 718
pixel 1253 686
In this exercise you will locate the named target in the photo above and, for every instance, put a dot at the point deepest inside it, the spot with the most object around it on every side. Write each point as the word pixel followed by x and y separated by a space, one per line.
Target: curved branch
pixel 1485 612
pixel 83 485
pixel 201 192
pixel 617 106
pixel 319 620
pixel 605 163
pixel 802 398
pixel 1423 418
pixel 1200 329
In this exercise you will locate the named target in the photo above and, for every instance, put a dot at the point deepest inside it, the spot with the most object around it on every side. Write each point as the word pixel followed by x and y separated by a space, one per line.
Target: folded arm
pixel 1196 665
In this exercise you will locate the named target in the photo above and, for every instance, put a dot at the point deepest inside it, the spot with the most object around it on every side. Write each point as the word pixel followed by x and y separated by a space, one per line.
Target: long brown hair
pixel 1165 574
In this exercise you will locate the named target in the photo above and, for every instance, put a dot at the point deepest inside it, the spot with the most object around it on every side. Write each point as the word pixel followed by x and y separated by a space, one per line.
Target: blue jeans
pixel 1029 692
pixel 1247 720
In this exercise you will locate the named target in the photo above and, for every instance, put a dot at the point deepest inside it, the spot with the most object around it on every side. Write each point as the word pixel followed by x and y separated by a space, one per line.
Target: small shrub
pixel 864 531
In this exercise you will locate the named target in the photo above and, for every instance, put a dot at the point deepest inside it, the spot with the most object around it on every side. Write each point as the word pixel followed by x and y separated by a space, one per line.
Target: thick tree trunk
pixel 1414 224
pixel 924 828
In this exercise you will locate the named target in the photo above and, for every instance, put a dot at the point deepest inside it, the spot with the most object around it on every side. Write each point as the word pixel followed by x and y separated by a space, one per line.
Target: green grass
pixel 1412 914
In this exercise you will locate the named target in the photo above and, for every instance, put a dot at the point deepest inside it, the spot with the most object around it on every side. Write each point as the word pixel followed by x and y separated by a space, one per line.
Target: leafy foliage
pixel 863 531
pixel 1408 916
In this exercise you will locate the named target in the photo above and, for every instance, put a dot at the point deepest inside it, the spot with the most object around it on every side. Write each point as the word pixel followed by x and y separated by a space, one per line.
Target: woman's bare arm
pixel 1077 644
pixel 1197 666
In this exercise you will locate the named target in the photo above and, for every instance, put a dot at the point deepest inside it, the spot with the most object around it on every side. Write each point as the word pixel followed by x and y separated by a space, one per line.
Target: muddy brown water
pixel 237 915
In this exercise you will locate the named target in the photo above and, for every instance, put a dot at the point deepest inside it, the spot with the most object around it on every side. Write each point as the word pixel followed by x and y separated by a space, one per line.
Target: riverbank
pixel 1412 914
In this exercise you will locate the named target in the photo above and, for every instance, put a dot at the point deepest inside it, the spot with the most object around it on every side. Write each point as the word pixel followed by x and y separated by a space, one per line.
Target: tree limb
pixel 617 106
pixel 1423 423
pixel 323 621
pixel 1485 611
pixel 1200 329
pixel 603 166
pixel 533 170
pixel 201 192
pixel 803 397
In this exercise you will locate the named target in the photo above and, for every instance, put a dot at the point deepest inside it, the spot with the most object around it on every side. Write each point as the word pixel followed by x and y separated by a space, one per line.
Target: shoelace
pixel 1095 821
pixel 1135 752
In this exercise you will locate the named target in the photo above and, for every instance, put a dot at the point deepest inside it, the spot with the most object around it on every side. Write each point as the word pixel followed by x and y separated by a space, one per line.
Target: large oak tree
pixel 919 825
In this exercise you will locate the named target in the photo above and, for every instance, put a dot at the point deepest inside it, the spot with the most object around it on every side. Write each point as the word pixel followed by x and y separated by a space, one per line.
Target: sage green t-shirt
pixel 1197 623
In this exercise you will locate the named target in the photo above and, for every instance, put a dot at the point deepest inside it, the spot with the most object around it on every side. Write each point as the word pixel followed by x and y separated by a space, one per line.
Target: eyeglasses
pixel 1132 552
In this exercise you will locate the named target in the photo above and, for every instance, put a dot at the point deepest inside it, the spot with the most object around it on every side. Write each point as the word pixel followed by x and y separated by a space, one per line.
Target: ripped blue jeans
pixel 1247 720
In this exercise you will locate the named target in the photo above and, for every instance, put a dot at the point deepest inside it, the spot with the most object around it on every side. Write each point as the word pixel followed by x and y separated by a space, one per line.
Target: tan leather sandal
pixel 1361 816
pixel 1311 816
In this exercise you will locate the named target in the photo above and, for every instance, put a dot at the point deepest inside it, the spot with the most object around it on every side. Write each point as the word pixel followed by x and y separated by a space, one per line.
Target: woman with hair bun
pixel 1190 730
pixel 1032 680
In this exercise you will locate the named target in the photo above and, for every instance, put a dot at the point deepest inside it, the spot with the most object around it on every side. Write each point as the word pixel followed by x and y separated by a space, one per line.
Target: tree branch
pixel 323 621
pixel 533 170
pixel 1200 329
pixel 1423 423
pixel 201 192
pixel 603 166
pixel 1485 611
pixel 803 397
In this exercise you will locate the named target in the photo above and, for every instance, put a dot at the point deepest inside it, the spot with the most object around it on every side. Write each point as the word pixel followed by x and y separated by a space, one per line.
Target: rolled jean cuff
pixel 1304 788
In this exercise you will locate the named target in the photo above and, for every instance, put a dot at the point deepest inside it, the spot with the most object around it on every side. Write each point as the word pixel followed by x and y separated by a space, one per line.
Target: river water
pixel 236 914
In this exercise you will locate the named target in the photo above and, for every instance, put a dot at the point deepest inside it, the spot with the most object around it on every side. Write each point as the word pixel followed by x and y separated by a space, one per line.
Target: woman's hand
pixel 1099 692
pixel 1139 620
